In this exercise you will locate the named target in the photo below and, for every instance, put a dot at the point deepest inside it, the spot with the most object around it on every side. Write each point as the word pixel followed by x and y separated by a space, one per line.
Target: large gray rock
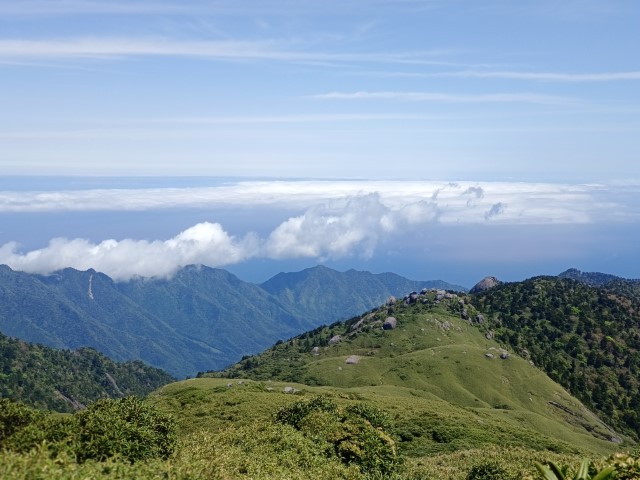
pixel 352 360
pixel 357 325
pixel 390 323
pixel 335 340
pixel 485 284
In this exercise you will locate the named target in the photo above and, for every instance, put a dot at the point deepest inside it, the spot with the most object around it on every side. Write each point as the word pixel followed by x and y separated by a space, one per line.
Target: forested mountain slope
pixel 65 380
pixel 586 338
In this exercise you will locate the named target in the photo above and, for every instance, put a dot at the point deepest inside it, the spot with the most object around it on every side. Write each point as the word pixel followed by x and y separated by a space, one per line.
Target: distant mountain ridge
pixel 201 319
pixel 324 293
pixel 596 279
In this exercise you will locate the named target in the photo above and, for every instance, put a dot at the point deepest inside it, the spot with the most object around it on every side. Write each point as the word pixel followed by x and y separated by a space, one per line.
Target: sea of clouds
pixel 333 219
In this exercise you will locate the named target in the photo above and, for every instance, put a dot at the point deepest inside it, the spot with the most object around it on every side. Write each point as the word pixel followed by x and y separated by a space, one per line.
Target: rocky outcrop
pixel 485 284
pixel 390 323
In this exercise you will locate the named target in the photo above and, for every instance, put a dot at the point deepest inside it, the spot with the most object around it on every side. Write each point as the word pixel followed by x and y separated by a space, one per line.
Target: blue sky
pixel 530 109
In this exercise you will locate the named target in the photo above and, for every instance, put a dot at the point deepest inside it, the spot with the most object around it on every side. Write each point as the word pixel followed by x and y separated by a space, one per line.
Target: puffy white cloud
pixel 204 243
pixel 335 229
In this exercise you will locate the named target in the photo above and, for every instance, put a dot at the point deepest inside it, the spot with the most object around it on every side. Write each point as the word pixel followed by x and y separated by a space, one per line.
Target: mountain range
pixel 200 319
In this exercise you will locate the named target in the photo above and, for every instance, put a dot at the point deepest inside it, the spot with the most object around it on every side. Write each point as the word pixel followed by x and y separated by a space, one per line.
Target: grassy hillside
pixel 65 380
pixel 586 338
pixel 435 361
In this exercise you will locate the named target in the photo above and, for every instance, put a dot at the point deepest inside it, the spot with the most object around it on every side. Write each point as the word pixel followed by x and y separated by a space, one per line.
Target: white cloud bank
pixel 204 243
pixel 336 220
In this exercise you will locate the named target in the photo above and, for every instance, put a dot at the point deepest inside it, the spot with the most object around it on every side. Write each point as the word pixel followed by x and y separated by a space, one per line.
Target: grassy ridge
pixel 434 361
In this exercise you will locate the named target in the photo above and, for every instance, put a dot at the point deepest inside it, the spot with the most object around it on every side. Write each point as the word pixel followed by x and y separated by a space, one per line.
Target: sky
pixel 446 139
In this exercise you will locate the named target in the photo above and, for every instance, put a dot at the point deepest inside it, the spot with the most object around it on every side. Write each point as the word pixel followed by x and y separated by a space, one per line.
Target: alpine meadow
pixel 337 239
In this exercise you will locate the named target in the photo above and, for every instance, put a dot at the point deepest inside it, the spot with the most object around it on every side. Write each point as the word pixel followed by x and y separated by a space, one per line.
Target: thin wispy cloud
pixel 533 98
pixel 560 77
pixel 264 49
pixel 124 47
pixel 219 7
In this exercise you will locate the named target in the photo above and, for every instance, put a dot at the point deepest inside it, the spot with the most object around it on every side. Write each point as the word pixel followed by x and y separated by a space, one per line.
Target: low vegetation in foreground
pixel 204 428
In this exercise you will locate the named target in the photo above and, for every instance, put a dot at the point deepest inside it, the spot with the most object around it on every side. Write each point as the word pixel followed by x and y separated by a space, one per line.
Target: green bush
pixel 14 417
pixel 56 432
pixel 357 435
pixel 627 466
pixel 488 471
pixel 126 428
pixel 551 471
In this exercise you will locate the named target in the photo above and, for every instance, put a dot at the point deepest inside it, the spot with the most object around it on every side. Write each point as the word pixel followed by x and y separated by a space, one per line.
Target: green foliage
pixel 584 337
pixel 64 380
pixel 627 466
pixel 15 416
pixel 125 428
pixel 348 432
pixel 551 471
pixel 489 471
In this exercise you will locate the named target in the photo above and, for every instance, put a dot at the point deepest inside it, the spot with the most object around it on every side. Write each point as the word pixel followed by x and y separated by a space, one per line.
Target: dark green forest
pixel 585 338
pixel 66 380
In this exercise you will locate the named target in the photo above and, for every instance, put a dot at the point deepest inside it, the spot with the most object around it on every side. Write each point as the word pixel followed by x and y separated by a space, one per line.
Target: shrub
pixel 488 471
pixel 14 417
pixel 627 466
pixel 125 428
pixel 56 432
pixel 357 435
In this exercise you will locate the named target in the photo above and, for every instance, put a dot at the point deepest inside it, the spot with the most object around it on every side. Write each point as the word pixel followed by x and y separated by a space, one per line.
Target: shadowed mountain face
pixel 201 319
pixel 326 295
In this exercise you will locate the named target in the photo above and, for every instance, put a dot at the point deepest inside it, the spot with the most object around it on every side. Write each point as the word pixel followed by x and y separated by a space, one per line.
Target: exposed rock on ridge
pixel 485 284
